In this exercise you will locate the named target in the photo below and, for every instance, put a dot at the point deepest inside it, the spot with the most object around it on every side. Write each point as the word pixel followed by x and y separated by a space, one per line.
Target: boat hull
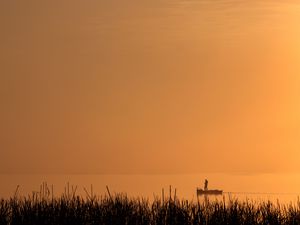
pixel 209 192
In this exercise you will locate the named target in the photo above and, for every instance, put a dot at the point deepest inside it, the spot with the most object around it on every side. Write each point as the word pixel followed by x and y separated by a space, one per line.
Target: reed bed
pixel 42 208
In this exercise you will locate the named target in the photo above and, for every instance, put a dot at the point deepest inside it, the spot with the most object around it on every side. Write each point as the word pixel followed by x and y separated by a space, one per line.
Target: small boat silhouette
pixel 209 192
pixel 206 191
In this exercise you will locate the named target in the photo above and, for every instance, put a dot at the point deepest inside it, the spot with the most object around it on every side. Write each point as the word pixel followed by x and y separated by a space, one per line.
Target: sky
pixel 149 87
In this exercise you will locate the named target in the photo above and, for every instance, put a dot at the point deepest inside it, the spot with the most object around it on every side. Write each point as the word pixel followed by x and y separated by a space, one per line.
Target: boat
pixel 209 192
pixel 206 191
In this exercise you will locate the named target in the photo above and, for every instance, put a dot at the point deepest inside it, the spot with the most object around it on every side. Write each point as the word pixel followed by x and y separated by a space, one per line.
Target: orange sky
pixel 149 86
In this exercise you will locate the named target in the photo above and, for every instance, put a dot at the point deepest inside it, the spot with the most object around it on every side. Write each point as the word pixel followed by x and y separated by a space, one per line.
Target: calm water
pixel 161 38
pixel 284 187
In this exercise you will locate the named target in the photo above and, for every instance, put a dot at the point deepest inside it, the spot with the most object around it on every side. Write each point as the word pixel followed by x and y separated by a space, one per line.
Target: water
pixel 152 86
pixel 282 187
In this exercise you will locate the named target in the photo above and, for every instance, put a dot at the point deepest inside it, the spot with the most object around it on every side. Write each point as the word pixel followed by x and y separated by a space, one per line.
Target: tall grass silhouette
pixel 42 208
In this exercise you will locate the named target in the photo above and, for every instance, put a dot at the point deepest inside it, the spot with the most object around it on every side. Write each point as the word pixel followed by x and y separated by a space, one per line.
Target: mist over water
pixel 152 87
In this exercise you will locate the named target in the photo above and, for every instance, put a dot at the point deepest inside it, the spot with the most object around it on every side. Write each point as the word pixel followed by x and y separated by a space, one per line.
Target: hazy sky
pixel 152 86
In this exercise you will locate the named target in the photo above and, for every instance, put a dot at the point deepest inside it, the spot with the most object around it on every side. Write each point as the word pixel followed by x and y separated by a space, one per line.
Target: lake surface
pixel 282 187
pixel 151 86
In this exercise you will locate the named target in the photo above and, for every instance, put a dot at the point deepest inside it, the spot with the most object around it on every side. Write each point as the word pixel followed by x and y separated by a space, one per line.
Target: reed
pixel 42 208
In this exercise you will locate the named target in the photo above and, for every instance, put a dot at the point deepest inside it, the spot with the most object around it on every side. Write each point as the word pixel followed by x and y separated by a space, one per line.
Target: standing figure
pixel 205 185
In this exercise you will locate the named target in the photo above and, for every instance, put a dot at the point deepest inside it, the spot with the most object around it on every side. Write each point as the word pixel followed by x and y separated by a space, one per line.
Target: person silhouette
pixel 205 184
